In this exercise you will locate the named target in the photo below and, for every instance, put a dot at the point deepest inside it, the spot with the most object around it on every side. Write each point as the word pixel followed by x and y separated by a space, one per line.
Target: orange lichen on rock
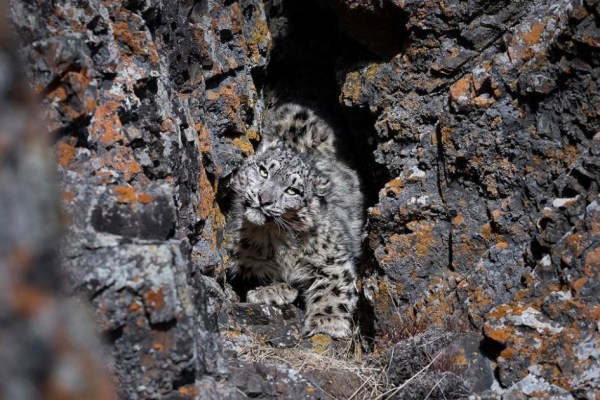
pixel 462 89
pixel 106 124
pixel 137 40
pixel 592 263
pixel 259 40
pixel 458 220
pixel 154 299
pixel 352 88
pixel 203 138
pixel 127 194
pixel 68 196
pixel 394 186
pixel 207 195
pixel 535 34
pixel 189 391
pixel 65 153
pixel 121 159
pixel 424 238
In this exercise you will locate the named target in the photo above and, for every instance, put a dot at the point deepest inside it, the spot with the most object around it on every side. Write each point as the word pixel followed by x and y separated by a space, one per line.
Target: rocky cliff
pixel 475 127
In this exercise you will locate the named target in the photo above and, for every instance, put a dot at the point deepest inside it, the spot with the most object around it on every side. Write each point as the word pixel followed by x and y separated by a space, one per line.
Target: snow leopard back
pixel 298 127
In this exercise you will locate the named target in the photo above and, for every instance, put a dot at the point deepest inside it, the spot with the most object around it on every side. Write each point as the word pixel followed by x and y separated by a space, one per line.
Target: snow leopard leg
pixel 279 293
pixel 330 302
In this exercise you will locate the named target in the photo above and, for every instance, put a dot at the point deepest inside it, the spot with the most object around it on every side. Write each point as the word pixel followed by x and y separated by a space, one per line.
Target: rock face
pixel 488 123
pixel 48 346
pixel 476 126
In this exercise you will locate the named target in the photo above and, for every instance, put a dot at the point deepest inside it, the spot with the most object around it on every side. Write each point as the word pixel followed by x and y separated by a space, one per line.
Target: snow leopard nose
pixel 265 199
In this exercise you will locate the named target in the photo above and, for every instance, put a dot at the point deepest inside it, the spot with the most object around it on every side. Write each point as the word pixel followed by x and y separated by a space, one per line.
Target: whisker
pixel 287 226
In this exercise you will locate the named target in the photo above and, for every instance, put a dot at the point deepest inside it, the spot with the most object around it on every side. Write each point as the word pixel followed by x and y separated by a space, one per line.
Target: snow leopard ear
pixel 322 185
pixel 267 144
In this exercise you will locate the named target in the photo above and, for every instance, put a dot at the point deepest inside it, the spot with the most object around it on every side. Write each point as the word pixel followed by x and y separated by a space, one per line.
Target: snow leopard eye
pixel 292 191
pixel 263 171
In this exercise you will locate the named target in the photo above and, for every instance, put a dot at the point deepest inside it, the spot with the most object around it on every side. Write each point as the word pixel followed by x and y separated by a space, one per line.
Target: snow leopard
pixel 298 221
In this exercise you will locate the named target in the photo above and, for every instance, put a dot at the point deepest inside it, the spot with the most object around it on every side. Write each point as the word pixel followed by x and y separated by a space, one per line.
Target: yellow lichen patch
pixel 143 198
pixel 320 343
pixel 523 294
pixel 252 134
pixel 570 154
pixel 74 84
pixel 372 70
pixel 134 306
pixel 502 245
pixel 244 144
pixel 384 297
pixel 578 284
pixel 499 312
pixel 446 134
pixel 231 333
pixel 460 359
pixel 58 94
pixel 424 238
pixel 375 212
pixel 352 87
pixel 483 101
pixel 259 38
pixel 396 246
pixel 488 234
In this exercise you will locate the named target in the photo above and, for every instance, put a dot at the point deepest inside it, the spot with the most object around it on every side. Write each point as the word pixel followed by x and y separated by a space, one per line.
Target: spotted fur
pixel 298 217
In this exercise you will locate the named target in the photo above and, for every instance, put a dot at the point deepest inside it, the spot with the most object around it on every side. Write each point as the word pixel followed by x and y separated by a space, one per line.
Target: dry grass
pixel 368 375
pixel 371 376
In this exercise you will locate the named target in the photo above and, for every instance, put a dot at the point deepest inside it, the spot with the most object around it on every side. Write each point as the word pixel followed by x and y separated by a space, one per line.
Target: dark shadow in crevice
pixel 113 335
pixel 77 129
pixel 185 377
pixel 304 61
pixel 490 348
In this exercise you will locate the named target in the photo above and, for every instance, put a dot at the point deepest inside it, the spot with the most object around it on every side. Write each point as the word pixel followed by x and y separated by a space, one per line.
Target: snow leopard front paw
pixel 332 325
pixel 277 293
